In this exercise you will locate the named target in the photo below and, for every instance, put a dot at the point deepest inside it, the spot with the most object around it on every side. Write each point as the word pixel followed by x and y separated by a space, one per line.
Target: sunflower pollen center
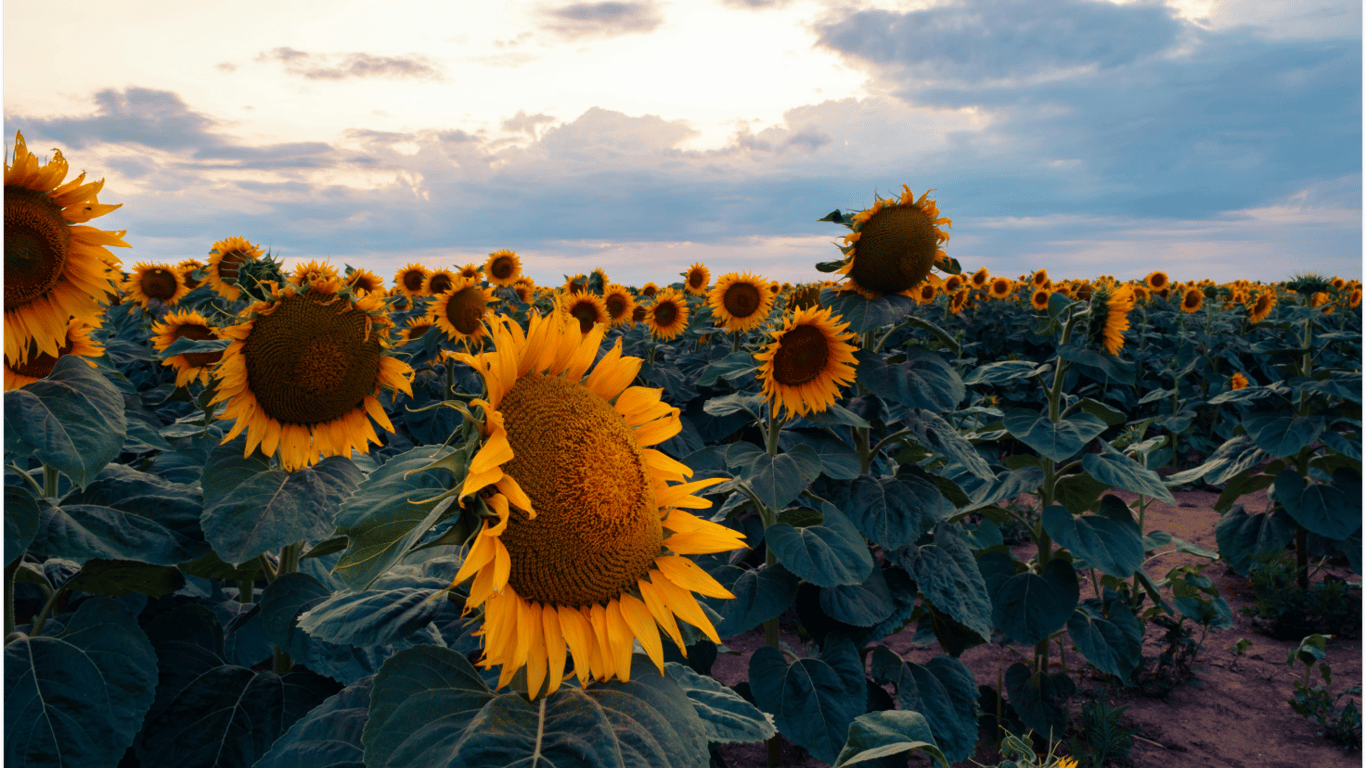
pixel 465 310
pixel 37 241
pixel 665 313
pixel 159 284
pixel 801 356
pixel 742 300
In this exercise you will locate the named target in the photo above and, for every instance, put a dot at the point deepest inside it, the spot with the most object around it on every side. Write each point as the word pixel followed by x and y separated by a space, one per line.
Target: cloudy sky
pixel 1209 138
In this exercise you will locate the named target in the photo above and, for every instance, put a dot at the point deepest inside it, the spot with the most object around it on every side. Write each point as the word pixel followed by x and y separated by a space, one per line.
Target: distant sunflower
pixel 954 283
pixel 1117 304
pixel 620 304
pixel 894 244
pixel 187 268
pixel 312 270
pixel 225 258
pixel 958 301
pixel 740 302
pixel 599 276
pixel 438 281
pixel 1192 301
pixel 1001 288
pixel 1261 307
pixel 39 364
pixel 365 280
pixel 1039 279
pixel 155 281
pixel 1338 283
pixel 54 269
pixel 980 279
pixel 1157 281
pixel 807 361
pixel 775 287
pixel 1354 298
pixel 926 293
pixel 472 271
pixel 1237 381
pixel 1084 290
pixel 585 553
pixel 638 314
pixel 696 279
pixel 588 308
pixel 186 324
pixel 1039 299
pixel 649 290
pixel 411 280
pixel 303 372
pixel 416 328
pixel 576 283
pixel 525 289
pixel 668 316
pixel 1140 292
pixel 461 311
pixel 805 297
pixel 503 267
pixel 1063 288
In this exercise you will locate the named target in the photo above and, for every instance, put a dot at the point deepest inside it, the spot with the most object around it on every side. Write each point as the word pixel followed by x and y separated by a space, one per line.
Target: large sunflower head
pixel 696 279
pixel 1001 288
pixel 411 280
pixel 1039 299
pixel 438 281
pixel 1261 307
pixel 303 370
pixel 1192 300
pixel 740 302
pixel 619 303
pixel 668 315
pixel 55 267
pixel 894 244
pixel 588 308
pixel 226 258
pixel 39 364
pixel 807 361
pixel 306 272
pixel 186 324
pixel 584 548
pixel 1110 316
pixel 503 267
pixel 155 281
pixel 461 311
pixel 365 280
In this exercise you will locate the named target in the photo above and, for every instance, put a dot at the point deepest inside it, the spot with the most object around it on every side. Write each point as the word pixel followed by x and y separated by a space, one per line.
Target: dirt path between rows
pixel 1232 714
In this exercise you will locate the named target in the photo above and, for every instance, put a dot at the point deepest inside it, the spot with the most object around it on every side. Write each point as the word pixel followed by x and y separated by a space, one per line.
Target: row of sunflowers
pixel 491 521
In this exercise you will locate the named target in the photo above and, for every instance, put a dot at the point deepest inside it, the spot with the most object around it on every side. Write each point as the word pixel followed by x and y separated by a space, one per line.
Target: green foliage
pixel 1101 733
pixel 1314 701
pixel 1285 610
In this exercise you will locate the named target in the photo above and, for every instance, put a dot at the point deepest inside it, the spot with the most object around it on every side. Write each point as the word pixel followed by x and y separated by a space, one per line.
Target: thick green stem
pixel 865 454
pixel 10 571
pixel 50 478
pixel 1302 557
pixel 47 610
pixel 734 342
pixel 289 563
pixel 246 592
pixel 775 424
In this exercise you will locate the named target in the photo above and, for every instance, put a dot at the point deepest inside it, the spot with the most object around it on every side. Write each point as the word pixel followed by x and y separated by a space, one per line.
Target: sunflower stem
pixel 50 478
pixel 37 489
pixel 775 423
pixel 289 563
pixel 10 571
pixel 734 342
pixel 51 603
pixel 246 591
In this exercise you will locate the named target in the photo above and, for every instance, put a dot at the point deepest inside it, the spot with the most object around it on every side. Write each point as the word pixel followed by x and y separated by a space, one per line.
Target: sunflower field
pixel 321 517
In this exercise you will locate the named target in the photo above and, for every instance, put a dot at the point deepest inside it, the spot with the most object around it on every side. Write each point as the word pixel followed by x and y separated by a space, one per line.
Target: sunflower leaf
pixel 948 577
pixel 830 554
pixel 1242 537
pixel 813 701
pixel 329 735
pixel 1058 440
pixel 1106 542
pixel 1108 634
pixel 1119 471
pixel 943 690
pixel 727 717
pixel 925 380
pixel 73 420
pixel 186 345
pixel 887 734
pixel 1332 510
pixel 1029 607
pixel 21 521
pixel 760 594
pixel 374 617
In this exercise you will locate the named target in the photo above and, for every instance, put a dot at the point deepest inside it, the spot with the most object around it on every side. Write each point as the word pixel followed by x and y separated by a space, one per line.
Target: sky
pixel 1213 139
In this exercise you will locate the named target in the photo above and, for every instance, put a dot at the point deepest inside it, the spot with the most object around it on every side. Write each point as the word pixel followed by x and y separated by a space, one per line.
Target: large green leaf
pixel 732 367
pixel 827 555
pixel 113 578
pixel 727 717
pixel 887 734
pixel 76 700
pixel 1320 508
pixel 390 510
pixel 1281 434
pixel 1242 537
pixel 867 314
pixel 1029 607
pixel 430 709
pixel 1001 371
pixel 328 736
pixel 777 480
pixel 935 434
pixel 1119 471
pixel 948 577
pixel 21 521
pixel 1058 440
pixel 373 617
pixel 226 468
pixel 891 511
pixel 760 593
pixel 1112 545
pixel 1108 634
pixel 1107 365
pixel 73 420
pixel 860 605
pixel 1007 485
pixel 925 380
pixel 943 690
pixel 1040 700
pixel 1236 455
pixel 81 532
pixel 839 461
pixel 814 700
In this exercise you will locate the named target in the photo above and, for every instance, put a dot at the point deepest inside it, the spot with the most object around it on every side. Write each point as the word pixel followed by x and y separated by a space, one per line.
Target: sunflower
pixel 668 316
pixel 1085 290
pixel 599 276
pixel 438 281
pixel 503 267
pixel 740 302
pixel 980 278
pixel 303 372
pixel 805 297
pixel 807 361
pixel 54 270
pixel 1192 300
pixel 311 270
pixel 649 290
pixel 526 290
pixel 585 552
pixel 1338 283
pixel 187 269
pixel 1039 299
pixel 155 281
pixel 926 293
pixel 1001 287
pixel 1156 281
pixel 619 303
pixel 696 279
pixel 461 311
pixel 472 272
pixel 411 280
pixel 1039 279
pixel 186 324
pixel 576 283
pixel 775 287
pixel 365 280
pixel 1318 300
pixel 39 364
pixel 416 328
pixel 1237 381
pixel 954 283
pixel 894 244
pixel 1116 306
pixel 1140 292
pixel 958 301
pixel 638 314
pixel 225 257
pixel 588 308
pixel 1261 307
pixel 1354 298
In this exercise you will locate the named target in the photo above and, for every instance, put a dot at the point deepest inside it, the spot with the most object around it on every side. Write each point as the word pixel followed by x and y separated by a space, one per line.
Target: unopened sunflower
pixel 696 279
pixel 55 268
pixel 586 551
pixel 438 281
pixel 411 280
pixel 668 316
pixel 365 280
pixel 619 303
pixel 225 258
pixel 39 364
pixel 1261 307
pixel 740 302
pixel 304 368
pixel 186 324
pixel 807 361
pixel 894 244
pixel 503 267
pixel 1192 300
pixel 461 311
pixel 588 308
pixel 155 281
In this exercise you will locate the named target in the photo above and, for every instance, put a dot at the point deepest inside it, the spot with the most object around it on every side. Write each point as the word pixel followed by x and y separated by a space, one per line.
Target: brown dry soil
pixel 1232 714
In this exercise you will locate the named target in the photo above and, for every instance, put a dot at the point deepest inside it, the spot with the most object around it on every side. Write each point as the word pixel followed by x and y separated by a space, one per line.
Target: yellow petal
pixel 620 639
pixel 637 615
pixel 690 576
pixel 578 635
pixel 554 647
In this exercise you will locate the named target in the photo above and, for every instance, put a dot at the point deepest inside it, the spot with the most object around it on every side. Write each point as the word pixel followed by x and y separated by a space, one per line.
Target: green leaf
pixel 226 468
pixel 276 508
pixel 389 512
pixel 885 734
pixel 1105 413
pixel 1001 371
pixel 727 717
pixel 1040 700
pixel 1111 545
pixel 1282 435
pixel 78 699
pixel 1108 634
pixel 113 578
pixel 942 335
pixel 1242 537
pixel 728 404
pixel 1029 607
pixel 943 690
pixel 374 617
pixel 1079 492
pixel 948 577
pixel 859 605
pixel 1117 369
pixel 430 709
pixel 729 368
pixel 935 434
pixel 186 345
pixel 82 532
pixel 283 602
pixel 21 521
pixel 777 480
pixel 891 511
pixel 864 314
pixel 813 701
pixel 328 736
pixel 827 555
pixel 1025 479
pixel 925 380
pixel 73 420
pixel 1320 508
pixel 1237 455
pixel 760 594
pixel 838 460
pixel 1058 440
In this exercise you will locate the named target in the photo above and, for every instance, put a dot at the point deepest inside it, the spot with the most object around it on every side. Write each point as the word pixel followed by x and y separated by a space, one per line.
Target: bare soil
pixel 1233 713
